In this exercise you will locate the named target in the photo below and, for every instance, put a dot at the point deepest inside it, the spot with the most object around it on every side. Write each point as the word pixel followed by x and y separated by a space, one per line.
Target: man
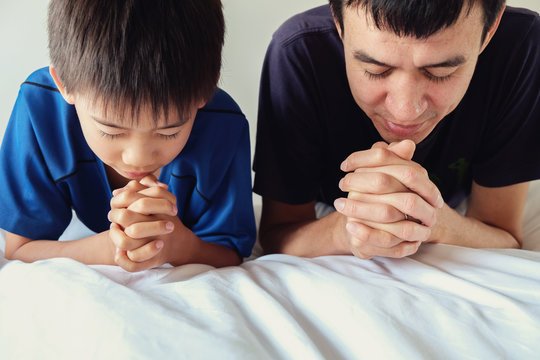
pixel 422 103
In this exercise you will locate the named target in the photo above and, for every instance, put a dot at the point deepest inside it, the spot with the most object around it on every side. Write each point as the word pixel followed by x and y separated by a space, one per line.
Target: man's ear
pixel 70 99
pixel 492 30
pixel 338 26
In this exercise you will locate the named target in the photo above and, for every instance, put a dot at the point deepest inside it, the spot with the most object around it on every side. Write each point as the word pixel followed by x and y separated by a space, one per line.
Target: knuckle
pixel 407 231
pixel 409 174
pixel 380 155
pixel 410 201
pixel 386 213
pixel 132 184
pixel 132 231
pixel 432 218
pixel 350 206
pixel 347 182
pixel 380 181
pixel 121 216
pixel 386 240
pixel 131 267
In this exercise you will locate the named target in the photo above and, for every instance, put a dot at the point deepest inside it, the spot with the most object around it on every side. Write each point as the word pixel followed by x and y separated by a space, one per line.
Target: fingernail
pixel 343 165
pixel 339 204
pixel 118 251
pixel 340 185
pixel 159 244
pixel 169 226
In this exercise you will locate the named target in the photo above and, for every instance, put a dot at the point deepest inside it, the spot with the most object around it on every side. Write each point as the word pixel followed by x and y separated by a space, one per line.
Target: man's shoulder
pixel 518 25
pixel 308 23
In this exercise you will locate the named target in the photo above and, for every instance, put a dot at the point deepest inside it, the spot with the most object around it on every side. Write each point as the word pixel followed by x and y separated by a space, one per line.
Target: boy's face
pixel 407 85
pixel 134 149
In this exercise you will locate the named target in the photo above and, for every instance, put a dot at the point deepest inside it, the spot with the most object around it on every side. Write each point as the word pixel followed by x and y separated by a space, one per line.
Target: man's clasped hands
pixel 392 205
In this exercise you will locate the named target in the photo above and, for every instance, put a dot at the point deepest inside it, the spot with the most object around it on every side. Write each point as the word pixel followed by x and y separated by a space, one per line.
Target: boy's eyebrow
pixel 450 63
pixel 115 126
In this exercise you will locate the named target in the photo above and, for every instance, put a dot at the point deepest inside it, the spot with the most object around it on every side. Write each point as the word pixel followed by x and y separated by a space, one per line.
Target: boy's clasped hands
pixel 144 226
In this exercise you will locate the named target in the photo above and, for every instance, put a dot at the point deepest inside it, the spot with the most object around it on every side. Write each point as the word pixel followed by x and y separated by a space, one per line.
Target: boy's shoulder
pixel 222 103
pixel 41 78
pixel 221 114
pixel 47 126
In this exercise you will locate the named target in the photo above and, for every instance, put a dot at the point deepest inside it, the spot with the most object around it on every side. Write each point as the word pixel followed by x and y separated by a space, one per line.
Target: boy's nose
pixel 138 155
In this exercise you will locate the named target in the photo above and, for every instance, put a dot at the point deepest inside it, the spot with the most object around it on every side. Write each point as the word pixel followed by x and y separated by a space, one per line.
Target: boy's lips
pixel 136 175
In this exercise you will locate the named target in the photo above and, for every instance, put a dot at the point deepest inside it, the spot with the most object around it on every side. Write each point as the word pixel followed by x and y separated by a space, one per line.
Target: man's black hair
pixel 418 18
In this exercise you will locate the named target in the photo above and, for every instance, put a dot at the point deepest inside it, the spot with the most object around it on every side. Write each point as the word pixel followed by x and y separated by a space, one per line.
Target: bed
pixel 445 302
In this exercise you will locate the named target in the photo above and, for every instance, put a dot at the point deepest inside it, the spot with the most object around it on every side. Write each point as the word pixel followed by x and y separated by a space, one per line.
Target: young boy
pixel 126 127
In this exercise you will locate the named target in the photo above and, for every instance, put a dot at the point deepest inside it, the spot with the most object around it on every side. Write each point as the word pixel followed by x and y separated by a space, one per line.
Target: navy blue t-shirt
pixel 47 169
pixel 309 122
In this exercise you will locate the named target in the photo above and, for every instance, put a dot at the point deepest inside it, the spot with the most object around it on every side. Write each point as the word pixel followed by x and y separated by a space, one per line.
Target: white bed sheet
pixel 445 302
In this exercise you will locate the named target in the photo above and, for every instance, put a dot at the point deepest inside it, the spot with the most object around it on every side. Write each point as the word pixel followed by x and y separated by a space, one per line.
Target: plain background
pixel 250 24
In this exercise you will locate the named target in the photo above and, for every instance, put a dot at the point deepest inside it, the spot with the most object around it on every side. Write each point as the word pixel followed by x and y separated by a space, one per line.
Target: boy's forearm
pixel 95 249
pixel 203 252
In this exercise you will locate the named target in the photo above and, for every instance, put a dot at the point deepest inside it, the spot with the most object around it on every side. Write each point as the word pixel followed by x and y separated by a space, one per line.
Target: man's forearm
pixel 310 238
pixel 455 229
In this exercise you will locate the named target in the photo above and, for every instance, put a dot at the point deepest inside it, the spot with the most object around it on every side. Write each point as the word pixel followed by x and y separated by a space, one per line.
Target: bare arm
pixel 372 222
pixel 493 219
pixel 95 249
pixel 294 229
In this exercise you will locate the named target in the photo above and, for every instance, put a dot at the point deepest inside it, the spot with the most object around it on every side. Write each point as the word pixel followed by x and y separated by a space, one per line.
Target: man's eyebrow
pixel 363 57
pixel 115 126
pixel 450 63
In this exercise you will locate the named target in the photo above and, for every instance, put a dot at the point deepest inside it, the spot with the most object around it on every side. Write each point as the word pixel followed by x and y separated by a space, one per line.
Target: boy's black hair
pixel 126 53
pixel 418 18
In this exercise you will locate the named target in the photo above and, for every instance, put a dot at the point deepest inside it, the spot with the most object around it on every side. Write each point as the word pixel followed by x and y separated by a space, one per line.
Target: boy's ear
pixel 68 97
pixel 202 103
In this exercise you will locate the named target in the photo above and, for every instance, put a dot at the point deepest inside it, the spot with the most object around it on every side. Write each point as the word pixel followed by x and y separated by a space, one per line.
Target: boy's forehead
pixel 125 114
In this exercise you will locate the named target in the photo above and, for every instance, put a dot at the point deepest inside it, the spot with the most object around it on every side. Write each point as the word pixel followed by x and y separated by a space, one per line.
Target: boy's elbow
pixel 14 245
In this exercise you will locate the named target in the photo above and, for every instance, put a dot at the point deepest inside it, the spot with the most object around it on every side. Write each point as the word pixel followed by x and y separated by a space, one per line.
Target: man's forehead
pixel 360 15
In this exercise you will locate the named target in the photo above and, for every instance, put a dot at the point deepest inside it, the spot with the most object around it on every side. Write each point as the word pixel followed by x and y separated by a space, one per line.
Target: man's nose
pixel 406 100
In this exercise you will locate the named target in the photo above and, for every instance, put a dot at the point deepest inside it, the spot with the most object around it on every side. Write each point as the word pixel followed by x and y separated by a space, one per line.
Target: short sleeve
pixel 228 216
pixel 289 142
pixel 31 205
pixel 510 151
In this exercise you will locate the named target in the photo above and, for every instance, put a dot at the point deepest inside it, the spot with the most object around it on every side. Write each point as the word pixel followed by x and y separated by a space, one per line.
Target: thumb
pixel 404 149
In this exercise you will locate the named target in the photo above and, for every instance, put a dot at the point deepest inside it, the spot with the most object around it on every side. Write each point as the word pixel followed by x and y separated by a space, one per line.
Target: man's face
pixel 404 84
pixel 133 149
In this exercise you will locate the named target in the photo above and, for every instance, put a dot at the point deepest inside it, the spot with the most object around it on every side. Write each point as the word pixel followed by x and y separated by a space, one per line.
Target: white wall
pixel 250 24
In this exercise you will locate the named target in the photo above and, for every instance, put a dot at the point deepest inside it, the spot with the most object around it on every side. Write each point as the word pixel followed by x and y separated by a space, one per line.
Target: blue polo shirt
pixel 47 169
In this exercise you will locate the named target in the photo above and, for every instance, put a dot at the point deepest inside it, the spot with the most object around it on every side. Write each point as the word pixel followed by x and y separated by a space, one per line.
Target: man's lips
pixel 402 130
